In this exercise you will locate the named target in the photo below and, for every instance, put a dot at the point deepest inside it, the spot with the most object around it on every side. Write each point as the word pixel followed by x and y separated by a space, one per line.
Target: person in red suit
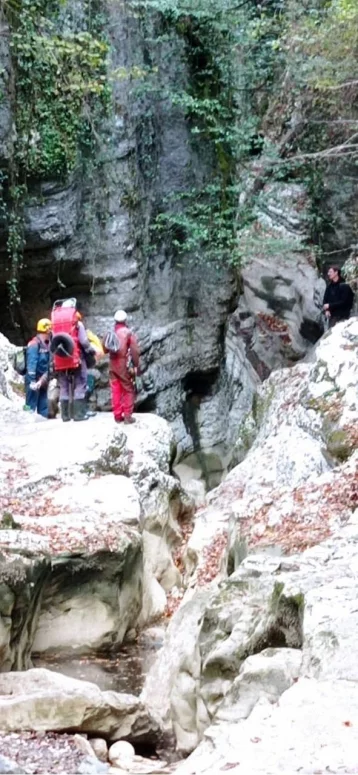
pixel 123 368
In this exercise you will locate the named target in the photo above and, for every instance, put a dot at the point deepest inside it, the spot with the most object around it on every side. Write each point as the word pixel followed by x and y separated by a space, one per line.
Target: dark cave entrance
pixel 205 465
pixel 43 280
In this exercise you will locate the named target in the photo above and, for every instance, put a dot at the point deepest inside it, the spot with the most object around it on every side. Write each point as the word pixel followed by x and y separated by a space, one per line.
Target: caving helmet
pixel 44 326
pixel 120 316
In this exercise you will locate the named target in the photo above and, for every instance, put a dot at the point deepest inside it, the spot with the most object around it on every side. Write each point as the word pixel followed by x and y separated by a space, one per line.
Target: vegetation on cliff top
pixel 59 93
pixel 272 81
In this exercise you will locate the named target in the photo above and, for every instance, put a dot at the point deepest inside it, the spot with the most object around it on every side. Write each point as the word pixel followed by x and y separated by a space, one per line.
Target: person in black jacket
pixel 338 297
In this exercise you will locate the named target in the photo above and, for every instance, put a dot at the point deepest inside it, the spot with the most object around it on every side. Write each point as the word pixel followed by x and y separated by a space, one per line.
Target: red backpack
pixel 65 345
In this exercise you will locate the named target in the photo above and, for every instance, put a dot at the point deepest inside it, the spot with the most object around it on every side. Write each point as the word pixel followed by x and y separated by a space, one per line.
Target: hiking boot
pixel 65 411
pixel 118 419
pixel 80 409
pixel 128 419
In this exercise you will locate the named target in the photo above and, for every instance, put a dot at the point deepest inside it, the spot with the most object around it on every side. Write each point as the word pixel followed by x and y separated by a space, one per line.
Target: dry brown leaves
pixel 39 752
pixel 314 511
pixel 351 432
pixel 275 326
pixel 62 538
pixel 211 559
pixel 37 503
pixel 186 529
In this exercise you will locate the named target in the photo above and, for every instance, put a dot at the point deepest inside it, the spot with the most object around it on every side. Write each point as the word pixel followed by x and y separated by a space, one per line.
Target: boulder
pixel 121 754
pixel 267 674
pixel 90 601
pixel 42 700
pixel 253 636
pixel 86 527
pixel 279 314
pixel 100 748
pixel 312 729
pixel 296 448
pixel 253 620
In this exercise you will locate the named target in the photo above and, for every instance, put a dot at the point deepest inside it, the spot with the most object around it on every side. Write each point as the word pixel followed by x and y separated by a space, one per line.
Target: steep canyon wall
pixel 206 334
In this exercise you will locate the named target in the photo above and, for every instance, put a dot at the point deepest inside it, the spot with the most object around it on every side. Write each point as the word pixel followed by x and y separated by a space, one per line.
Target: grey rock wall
pixel 91 237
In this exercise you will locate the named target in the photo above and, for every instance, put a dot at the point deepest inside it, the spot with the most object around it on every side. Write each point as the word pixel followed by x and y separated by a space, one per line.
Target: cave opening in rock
pixel 204 463
pixel 147 405
pixel 200 384
pixel 43 280
pixel 147 749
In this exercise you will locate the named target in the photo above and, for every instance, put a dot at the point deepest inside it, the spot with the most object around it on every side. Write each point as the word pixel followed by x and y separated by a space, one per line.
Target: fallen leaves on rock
pixel 40 753
pixel 175 597
pixel 186 529
pixel 275 325
pixel 314 511
pixel 211 559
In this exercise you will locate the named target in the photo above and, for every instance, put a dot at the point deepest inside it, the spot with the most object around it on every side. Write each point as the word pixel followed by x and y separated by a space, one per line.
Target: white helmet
pixel 120 316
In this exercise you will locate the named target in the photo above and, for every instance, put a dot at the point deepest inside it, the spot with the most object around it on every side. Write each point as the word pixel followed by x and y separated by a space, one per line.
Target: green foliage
pixel 203 228
pixel 231 55
pixel 329 36
pixel 59 77
pixel 60 93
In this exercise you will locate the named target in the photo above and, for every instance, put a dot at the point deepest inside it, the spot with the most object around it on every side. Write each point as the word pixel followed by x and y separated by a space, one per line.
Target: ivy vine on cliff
pixel 59 94
pixel 230 62
pixel 270 81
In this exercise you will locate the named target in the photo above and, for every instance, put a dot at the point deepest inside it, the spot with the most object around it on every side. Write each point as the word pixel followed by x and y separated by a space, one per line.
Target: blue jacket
pixel 38 359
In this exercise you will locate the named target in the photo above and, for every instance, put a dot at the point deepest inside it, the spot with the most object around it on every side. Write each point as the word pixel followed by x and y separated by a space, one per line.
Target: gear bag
pixel 112 343
pixel 20 361
pixel 65 345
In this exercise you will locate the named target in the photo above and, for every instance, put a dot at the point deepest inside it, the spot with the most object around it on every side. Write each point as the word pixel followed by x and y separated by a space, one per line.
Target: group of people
pixel 75 384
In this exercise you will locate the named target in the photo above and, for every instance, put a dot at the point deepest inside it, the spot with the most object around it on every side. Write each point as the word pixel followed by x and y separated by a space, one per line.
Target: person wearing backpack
pixel 37 368
pixel 72 355
pixel 122 346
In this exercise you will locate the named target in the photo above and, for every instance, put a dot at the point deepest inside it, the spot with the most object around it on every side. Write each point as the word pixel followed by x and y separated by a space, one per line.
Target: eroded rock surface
pixel 260 634
pixel 89 520
pixel 42 700
pixel 297 475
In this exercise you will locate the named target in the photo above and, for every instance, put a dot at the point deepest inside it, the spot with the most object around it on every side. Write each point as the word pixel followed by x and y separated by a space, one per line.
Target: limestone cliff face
pixel 91 237
pixel 87 238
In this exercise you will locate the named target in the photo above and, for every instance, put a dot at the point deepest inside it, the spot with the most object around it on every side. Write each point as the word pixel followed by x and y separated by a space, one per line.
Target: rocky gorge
pixel 262 645
pixel 179 595
pixel 207 332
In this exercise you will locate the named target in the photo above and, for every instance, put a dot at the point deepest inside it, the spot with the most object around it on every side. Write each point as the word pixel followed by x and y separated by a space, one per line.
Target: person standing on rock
pixel 122 346
pixel 37 368
pixel 73 354
pixel 338 297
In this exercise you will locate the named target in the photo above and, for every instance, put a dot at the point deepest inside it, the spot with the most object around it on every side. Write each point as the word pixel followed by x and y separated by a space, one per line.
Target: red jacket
pixel 118 362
